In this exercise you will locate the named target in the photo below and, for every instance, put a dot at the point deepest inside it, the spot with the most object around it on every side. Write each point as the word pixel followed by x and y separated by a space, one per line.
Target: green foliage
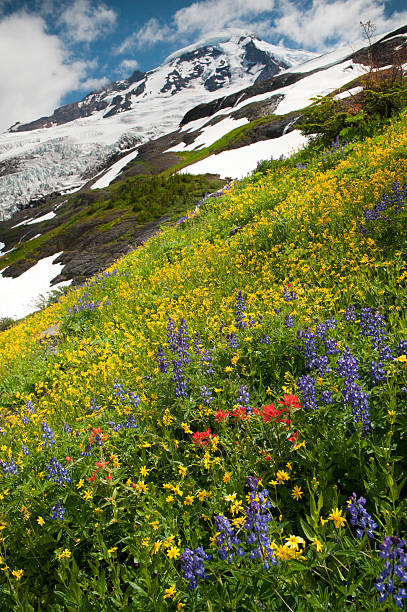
pixel 328 117
pixel 6 322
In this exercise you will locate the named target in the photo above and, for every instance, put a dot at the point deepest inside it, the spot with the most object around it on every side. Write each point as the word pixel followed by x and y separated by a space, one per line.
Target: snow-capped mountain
pixel 66 149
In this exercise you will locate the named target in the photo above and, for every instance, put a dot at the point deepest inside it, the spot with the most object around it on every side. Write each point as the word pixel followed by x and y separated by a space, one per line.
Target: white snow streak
pixel 239 162
pixel 18 295
pixel 114 170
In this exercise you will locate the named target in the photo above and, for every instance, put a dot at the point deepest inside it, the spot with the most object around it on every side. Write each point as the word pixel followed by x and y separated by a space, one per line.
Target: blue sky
pixel 56 51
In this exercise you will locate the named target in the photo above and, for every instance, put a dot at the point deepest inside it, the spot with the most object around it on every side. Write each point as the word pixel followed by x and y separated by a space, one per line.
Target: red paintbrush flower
pixel 201 438
pixel 221 415
pixel 290 401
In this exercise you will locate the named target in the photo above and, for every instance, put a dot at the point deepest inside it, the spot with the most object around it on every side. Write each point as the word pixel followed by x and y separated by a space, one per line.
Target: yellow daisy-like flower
pixel 141 487
pixel 65 554
pixel 318 544
pixel 169 498
pixel 226 477
pixel 337 518
pixel 202 495
pixel 297 492
pixel 173 552
pixel 188 500
pixel 182 471
pixel 295 541
pixel 112 550
pixel 80 483
pixel 156 547
pixel 17 573
pixel 170 592
pixel 87 495
pixel 144 471
pixel 40 521
pixel 145 542
pixel 282 476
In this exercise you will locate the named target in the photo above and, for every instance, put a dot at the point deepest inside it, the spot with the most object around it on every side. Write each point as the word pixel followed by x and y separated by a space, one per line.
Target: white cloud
pixel 332 22
pixel 94 84
pixel 148 35
pixel 129 64
pixel 209 15
pixel 34 73
pixel 317 25
pixel 84 21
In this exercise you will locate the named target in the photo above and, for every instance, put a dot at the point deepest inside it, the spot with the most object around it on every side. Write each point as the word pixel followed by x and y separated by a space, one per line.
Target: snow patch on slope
pixel 239 162
pixel 211 134
pixel 114 170
pixel 18 295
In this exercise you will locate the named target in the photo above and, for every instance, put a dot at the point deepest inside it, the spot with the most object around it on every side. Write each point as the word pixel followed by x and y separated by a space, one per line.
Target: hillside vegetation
pixel 218 421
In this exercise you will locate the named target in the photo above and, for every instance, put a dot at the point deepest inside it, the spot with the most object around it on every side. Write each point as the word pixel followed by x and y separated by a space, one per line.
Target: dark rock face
pixel 385 52
pixel 209 109
pixel 255 56
pixel 219 79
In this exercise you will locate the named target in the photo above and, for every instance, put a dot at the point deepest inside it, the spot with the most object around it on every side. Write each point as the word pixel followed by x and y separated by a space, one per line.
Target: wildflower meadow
pixel 219 421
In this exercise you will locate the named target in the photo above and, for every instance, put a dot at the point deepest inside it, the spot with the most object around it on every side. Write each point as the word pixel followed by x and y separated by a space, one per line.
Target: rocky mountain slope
pixel 63 151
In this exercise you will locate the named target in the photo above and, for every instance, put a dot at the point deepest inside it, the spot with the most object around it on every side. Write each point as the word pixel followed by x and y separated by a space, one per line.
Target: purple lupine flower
pixel 251 321
pixel 401 348
pixel 161 360
pixel 25 449
pixel 232 340
pixel 118 390
pixel 377 372
pixel 289 296
pixel 243 397
pixel 331 322
pixel 240 311
pixel 57 512
pixel 372 326
pixel 181 387
pixel 347 366
pixel 350 313
pixel 265 339
pixel 87 451
pixel 93 406
pixel 197 343
pixel 183 342
pixel 48 435
pixel 206 361
pixel 131 422
pixel 394 572
pixel 257 518
pixel 385 352
pixel 331 346
pixel 9 467
pixel 66 428
pixel 358 399
pixel 321 364
pixel 288 321
pixel 326 397
pixel 193 566
pixel 360 518
pixel 172 335
pixel 306 386
pixel 57 472
pixel 229 543
pixel 309 346
pixel 206 395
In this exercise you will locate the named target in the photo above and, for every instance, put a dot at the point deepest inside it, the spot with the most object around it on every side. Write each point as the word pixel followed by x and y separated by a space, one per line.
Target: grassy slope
pixel 299 228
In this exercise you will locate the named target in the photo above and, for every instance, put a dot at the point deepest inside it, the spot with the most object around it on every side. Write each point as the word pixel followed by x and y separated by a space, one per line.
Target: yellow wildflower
pixel 297 492
pixel 170 592
pixel 337 518
pixel 173 552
